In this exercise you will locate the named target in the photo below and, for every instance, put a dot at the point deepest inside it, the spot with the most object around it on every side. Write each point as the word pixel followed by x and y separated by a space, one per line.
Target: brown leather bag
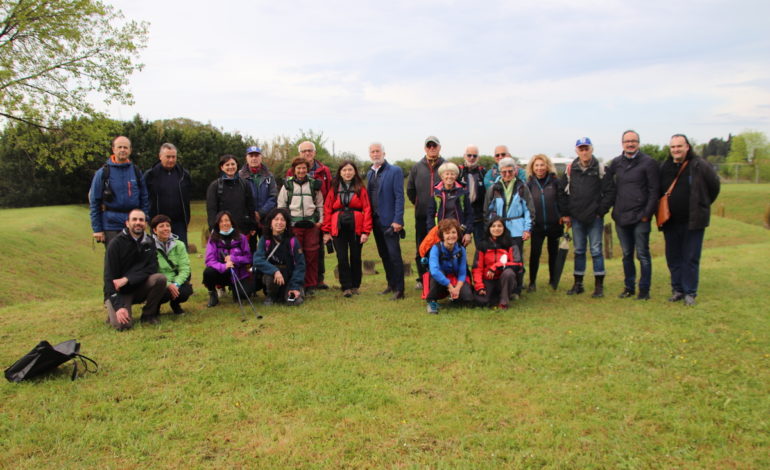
pixel 664 212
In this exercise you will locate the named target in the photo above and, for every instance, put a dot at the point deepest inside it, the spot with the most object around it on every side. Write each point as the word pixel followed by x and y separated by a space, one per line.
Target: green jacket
pixel 177 258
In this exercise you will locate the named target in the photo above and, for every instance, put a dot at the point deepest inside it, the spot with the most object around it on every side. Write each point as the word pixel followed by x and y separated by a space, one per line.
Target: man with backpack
pixel 590 194
pixel 117 188
pixel 472 177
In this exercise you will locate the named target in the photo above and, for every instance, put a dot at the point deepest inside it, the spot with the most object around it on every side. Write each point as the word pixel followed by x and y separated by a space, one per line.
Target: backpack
pixel 315 186
pixel 568 172
pixel 107 194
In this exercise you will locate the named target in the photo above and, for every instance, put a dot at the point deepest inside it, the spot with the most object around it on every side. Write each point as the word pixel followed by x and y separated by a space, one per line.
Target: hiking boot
pixel 418 285
pixel 268 301
pixel 355 291
pixel 626 293
pixel 577 287
pixel 150 319
pixel 689 300
pixel 347 293
pixel 503 306
pixel 643 295
pixel 532 287
pixel 176 308
pixel 433 307
pixel 598 287
pixel 397 296
pixel 321 286
pixel 213 299
pixel 387 291
pixel 676 296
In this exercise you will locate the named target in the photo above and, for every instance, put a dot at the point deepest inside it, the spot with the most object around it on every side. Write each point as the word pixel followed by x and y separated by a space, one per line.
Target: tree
pixel 55 55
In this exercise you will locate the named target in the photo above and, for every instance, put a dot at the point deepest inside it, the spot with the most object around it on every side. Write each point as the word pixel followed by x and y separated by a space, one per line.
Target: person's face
pixel 539 168
pixel 136 223
pixel 278 224
pixel 450 237
pixel 501 151
pixel 507 173
pixel 679 148
pixel 449 178
pixel 471 155
pixel 376 154
pixel 630 142
pixel 229 167
pixel 496 229
pixel 167 158
pixel 300 171
pixel 584 152
pixel 121 148
pixel 225 224
pixel 162 231
pixel 347 172
pixel 307 151
pixel 432 150
pixel 254 159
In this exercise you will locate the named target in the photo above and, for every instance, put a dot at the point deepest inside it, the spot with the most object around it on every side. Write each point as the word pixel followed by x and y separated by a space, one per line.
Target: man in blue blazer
pixel 385 185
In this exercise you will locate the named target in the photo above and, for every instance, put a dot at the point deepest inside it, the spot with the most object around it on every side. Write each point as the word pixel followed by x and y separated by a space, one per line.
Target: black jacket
pixel 128 258
pixel 178 204
pixel 638 188
pixel 419 186
pixel 704 189
pixel 589 194
pixel 550 202
pixel 478 172
pixel 232 195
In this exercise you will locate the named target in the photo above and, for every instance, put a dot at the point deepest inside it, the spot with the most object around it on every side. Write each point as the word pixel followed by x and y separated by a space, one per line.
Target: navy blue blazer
pixel 390 194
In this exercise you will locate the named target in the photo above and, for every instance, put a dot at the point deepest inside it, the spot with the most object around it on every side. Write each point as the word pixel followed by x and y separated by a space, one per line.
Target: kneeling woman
pixel 448 267
pixel 227 258
pixel 173 263
pixel 279 260
pixel 497 263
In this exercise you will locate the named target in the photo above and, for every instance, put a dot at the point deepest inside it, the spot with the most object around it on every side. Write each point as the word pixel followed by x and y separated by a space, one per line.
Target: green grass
pixel 555 382
pixel 745 202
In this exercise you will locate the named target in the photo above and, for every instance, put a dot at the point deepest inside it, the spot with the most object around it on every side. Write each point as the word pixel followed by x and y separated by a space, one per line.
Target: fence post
pixel 721 209
pixel 767 217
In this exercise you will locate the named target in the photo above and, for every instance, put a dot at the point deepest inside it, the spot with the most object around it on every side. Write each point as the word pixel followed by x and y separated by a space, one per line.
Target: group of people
pixel 270 237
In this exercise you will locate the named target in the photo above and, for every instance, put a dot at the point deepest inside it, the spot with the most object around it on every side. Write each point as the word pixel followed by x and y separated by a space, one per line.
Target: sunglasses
pixel 431 145
pixel 500 154
pixel 471 155
pixel 505 172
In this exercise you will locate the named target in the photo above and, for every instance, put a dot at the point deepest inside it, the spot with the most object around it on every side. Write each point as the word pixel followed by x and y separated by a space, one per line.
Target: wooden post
pixel 608 241
pixel 370 266
pixel 407 269
pixel 721 209
pixel 767 217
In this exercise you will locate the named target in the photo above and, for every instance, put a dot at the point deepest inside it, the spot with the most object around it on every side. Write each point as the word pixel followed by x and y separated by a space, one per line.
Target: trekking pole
pixel 238 286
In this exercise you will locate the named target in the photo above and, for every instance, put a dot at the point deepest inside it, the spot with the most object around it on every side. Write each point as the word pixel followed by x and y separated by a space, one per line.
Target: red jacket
pixel 362 212
pixel 319 172
pixel 488 259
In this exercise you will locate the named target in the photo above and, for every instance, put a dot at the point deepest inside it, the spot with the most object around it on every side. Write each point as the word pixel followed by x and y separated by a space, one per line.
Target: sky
pixel 533 75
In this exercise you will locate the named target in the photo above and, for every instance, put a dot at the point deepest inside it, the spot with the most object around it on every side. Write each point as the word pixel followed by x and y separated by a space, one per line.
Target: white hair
pixel 305 142
pixel 377 144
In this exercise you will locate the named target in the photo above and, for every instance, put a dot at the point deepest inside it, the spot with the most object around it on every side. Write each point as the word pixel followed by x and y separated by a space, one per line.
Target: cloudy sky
pixel 534 75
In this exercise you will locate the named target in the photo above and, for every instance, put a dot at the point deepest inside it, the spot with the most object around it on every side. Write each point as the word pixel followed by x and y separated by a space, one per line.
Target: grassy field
pixel 554 382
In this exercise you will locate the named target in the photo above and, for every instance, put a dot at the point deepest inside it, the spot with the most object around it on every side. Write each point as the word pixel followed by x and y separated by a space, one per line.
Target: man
pixel 131 275
pixel 493 174
pixel 637 180
pixel 472 177
pixel 689 201
pixel 117 187
pixel 263 188
pixel 419 189
pixel 317 171
pixel 385 185
pixel 590 193
pixel 169 187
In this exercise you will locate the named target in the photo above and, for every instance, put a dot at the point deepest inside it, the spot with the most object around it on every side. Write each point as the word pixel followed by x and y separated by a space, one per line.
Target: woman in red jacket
pixel 348 221
pixel 497 262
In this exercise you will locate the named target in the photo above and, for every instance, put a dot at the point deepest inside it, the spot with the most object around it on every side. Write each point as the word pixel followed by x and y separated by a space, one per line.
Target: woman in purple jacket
pixel 227 254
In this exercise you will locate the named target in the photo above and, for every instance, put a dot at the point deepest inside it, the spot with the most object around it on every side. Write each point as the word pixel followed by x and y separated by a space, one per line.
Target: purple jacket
pixel 239 252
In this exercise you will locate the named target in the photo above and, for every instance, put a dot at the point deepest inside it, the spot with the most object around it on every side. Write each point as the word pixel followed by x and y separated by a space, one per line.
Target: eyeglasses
pixel 505 172
pixel 431 145
pixel 305 150
pixel 630 141
pixel 500 154
pixel 471 155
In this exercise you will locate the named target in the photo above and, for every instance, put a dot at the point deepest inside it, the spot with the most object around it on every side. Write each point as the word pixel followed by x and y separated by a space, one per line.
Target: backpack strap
pixel 170 263
pixel 79 357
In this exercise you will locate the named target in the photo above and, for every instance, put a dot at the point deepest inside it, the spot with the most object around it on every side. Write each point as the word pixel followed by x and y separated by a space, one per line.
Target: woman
pixel 231 193
pixel 348 221
pixel 173 263
pixel 448 267
pixel 279 260
pixel 227 255
pixel 451 200
pixel 692 185
pixel 302 196
pixel 510 199
pixel 549 199
pixel 497 262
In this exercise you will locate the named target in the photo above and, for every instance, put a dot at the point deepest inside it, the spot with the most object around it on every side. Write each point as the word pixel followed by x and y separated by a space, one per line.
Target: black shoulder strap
pixel 170 263
pixel 79 357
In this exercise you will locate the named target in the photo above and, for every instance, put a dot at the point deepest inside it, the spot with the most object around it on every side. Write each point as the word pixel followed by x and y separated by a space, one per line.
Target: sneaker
pixel 626 293
pixel 433 307
pixel 532 287
pixel 689 300
pixel 387 291
pixel 418 285
pixel 321 286
pixel 355 291
pixel 221 292
pixel 397 296
pixel 347 293
pixel 177 308
pixel 503 306
pixel 310 291
pixel 643 296
pixel 676 296
pixel 267 302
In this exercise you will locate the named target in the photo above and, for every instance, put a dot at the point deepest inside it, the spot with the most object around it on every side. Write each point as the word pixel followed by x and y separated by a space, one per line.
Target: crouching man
pixel 131 275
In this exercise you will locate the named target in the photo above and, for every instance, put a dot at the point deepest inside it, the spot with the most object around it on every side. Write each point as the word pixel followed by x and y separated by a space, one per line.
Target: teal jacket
pixel 177 267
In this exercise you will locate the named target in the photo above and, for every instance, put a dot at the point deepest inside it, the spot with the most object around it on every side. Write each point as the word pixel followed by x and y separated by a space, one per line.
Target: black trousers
pixel 185 291
pixel 420 231
pixel 553 234
pixel 348 249
pixel 389 249
pixel 438 291
pixel 213 278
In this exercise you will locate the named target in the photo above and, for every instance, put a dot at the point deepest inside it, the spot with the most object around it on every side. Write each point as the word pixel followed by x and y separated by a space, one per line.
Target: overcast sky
pixel 533 75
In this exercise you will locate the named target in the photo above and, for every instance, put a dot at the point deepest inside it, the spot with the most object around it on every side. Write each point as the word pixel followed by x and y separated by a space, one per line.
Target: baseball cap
pixel 253 149
pixel 583 141
pixel 432 138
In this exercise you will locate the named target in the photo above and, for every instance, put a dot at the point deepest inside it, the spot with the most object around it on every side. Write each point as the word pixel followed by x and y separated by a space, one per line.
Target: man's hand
pixel 466 239
pixel 118 283
pixel 525 235
pixel 173 290
pixel 396 227
pixel 278 278
pixel 327 237
pixel 99 237
pixel 364 237
pixel 122 316
pixel 566 221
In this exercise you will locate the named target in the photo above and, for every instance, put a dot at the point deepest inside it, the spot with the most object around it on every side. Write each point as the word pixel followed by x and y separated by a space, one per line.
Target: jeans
pixel 683 249
pixel 583 233
pixel 636 237
pixel 389 249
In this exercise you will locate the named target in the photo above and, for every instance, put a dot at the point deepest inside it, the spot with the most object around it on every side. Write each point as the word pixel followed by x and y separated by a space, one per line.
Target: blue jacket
pixel 128 194
pixel 441 262
pixel 390 194
pixel 263 187
pixel 295 265
pixel 517 214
